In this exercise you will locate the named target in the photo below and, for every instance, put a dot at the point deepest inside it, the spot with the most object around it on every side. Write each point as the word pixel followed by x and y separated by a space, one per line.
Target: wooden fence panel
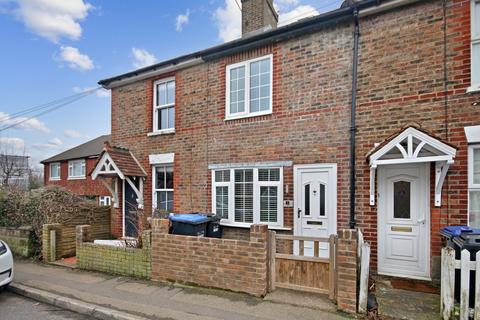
pixel 464 284
pixel 447 286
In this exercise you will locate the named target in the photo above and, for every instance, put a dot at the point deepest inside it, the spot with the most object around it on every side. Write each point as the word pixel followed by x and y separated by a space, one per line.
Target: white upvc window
pixel 249 88
pixel 164 105
pixel 244 196
pixel 76 169
pixel 163 187
pixel 474 186
pixel 475 47
pixel 54 171
pixel 105 200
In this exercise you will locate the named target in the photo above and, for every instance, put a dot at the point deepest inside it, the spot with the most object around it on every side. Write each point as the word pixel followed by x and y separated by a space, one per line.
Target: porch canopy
pixel 117 163
pixel 413 145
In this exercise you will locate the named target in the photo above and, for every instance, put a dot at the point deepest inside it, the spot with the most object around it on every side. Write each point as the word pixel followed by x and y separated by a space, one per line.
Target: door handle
pixel 298 212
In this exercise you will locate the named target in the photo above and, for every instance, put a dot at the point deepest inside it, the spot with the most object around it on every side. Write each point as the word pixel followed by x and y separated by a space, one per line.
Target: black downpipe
pixel 353 127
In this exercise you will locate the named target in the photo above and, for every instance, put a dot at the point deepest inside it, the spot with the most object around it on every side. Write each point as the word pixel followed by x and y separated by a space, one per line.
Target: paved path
pixel 14 307
pixel 155 301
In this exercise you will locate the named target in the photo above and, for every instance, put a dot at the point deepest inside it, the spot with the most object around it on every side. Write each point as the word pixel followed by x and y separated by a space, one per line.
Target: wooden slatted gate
pixel 299 272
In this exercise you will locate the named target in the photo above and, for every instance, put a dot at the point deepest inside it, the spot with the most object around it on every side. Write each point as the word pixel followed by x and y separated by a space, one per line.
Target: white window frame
pixel 159 107
pixel 71 163
pixel 475 25
pixel 105 200
pixel 154 183
pixel 59 177
pixel 471 186
pixel 256 197
pixel 247 113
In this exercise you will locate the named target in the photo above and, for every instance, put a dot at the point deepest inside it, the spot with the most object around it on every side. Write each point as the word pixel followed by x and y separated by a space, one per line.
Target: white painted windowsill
pixel 250 115
pixel 54 179
pixel 474 89
pixel 247 226
pixel 76 178
pixel 161 132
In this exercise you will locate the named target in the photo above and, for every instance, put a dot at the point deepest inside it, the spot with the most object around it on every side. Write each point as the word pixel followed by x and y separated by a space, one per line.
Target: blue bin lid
pixel 189 218
pixel 456 231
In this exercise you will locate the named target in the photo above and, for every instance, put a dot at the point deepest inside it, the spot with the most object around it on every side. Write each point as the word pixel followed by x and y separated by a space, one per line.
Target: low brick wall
pixel 134 262
pixel 236 265
pixel 19 240
pixel 347 267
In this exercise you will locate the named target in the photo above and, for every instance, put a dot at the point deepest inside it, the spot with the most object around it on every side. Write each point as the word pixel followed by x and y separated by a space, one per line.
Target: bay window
pixel 163 188
pixel 248 195
pixel 249 88
pixel 164 105
pixel 474 186
pixel 76 169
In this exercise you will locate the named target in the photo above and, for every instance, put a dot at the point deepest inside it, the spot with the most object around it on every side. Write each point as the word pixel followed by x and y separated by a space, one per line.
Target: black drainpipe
pixel 353 127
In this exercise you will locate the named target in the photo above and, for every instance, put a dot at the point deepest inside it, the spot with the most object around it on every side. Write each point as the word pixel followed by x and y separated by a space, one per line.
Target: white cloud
pixel 72 133
pixel 101 93
pixel 23 123
pixel 182 19
pixel 75 59
pixel 229 21
pixel 300 12
pixel 142 58
pixel 7 142
pixel 53 19
pixel 55 142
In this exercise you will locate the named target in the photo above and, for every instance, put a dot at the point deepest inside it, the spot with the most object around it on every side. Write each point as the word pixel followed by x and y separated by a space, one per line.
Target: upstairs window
pixel 249 88
pixel 164 105
pixel 55 171
pixel 76 169
pixel 475 23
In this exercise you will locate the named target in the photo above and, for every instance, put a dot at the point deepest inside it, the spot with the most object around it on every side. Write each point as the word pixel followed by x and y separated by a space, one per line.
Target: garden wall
pixel 134 262
pixel 236 265
pixel 19 240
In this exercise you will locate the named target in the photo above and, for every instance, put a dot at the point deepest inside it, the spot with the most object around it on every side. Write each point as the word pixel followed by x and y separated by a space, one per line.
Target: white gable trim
pixel 411 155
pixel 97 171
pixel 162 158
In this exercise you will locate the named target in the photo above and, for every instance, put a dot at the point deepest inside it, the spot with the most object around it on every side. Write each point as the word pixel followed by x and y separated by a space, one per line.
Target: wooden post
pixel 464 284
pixel 316 249
pixel 332 267
pixel 447 283
pixel 272 249
pixel 53 245
pixel 364 272
pixel 302 248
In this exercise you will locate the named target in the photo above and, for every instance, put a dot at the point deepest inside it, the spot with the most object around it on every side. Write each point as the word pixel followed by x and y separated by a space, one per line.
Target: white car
pixel 6 265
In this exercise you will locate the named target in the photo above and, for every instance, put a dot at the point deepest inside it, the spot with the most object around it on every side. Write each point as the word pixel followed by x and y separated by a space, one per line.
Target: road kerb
pixel 78 306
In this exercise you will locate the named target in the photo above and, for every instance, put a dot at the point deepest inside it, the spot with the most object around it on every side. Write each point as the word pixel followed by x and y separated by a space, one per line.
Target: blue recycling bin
pixel 188 224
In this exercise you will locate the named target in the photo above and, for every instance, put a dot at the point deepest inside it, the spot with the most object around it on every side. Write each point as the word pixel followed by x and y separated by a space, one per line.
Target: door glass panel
pixel 401 200
pixel 307 199
pixel 322 200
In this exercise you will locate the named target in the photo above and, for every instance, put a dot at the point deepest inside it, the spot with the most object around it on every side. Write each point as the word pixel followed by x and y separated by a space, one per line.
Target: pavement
pixel 111 297
pixel 16 307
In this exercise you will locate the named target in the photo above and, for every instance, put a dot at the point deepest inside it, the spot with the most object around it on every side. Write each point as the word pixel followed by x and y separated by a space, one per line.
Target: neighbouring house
pixel 14 170
pixel 363 117
pixel 70 169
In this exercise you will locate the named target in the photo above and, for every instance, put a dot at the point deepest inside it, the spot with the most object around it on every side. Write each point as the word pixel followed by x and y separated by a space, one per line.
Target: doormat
pixel 414 285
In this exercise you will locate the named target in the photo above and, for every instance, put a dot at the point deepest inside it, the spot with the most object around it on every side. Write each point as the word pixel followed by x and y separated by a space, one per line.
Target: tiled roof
pixel 87 149
pixel 124 160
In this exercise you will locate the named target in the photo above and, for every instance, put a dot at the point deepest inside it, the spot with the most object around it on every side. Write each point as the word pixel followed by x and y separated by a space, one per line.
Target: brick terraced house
pixel 365 116
pixel 70 169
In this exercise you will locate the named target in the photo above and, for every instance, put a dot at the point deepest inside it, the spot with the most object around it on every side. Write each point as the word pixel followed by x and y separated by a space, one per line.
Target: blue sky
pixel 56 48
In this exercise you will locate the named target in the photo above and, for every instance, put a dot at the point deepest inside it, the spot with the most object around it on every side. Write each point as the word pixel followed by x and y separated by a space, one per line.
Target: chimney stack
pixel 258 16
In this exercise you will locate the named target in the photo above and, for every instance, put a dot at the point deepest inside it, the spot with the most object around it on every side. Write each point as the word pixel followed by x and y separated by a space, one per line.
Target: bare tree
pixel 14 167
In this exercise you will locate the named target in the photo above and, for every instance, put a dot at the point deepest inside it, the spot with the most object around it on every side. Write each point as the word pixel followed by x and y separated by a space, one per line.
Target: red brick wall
pixel 227 264
pixel 82 187
pixel 347 270
pixel 401 81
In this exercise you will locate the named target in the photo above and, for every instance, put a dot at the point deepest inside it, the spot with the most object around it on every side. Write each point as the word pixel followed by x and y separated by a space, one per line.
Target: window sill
pixel 474 89
pixel 247 226
pixel 161 132
pixel 54 179
pixel 244 116
pixel 76 178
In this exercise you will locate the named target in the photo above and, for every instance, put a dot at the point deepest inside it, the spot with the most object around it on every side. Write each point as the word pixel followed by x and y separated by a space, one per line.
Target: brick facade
pixel 81 187
pixel 401 81
pixel 235 265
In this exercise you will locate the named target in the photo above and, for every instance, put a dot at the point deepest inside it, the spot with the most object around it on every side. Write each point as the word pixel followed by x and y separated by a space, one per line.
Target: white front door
pixel 404 221
pixel 315 205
